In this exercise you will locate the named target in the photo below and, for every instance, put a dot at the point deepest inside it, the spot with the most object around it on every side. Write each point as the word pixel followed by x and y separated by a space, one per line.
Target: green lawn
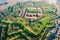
pixel 44 23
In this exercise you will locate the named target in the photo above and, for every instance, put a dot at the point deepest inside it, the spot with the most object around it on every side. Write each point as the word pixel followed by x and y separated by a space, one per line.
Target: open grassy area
pixel 32 10
pixel 44 23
